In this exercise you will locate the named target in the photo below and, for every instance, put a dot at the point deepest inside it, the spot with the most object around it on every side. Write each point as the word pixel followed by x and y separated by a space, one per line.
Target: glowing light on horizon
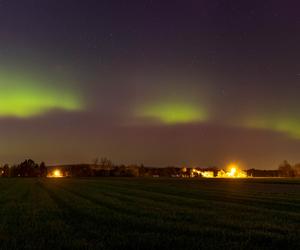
pixel 56 173
pixel 234 172
pixel 205 174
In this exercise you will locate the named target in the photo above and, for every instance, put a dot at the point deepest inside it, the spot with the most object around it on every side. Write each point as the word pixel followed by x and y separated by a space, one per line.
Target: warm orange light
pixel 208 174
pixel 56 173
pixel 232 172
pixel 235 172
pixel 205 174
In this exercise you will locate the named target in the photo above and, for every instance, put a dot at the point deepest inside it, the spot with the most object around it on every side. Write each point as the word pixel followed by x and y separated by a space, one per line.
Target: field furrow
pixel 113 213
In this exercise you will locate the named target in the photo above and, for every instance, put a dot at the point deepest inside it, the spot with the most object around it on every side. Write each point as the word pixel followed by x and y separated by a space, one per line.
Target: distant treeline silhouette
pixel 27 168
pixel 105 168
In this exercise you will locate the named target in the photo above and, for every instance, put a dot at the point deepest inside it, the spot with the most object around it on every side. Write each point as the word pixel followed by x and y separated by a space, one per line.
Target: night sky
pixel 155 82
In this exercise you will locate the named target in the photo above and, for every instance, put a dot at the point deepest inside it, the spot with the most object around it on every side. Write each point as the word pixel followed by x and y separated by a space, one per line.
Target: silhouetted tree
pixel 5 170
pixel 28 168
pixel 105 163
pixel 82 170
pixel 96 161
pixel 296 169
pixel 43 169
pixel 286 170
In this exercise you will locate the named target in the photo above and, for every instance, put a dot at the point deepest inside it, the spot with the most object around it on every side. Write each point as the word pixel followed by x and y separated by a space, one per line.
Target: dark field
pixel 134 213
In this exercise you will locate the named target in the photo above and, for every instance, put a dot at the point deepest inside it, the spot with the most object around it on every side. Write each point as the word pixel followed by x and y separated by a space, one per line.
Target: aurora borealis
pixel 24 96
pixel 173 112
pixel 160 83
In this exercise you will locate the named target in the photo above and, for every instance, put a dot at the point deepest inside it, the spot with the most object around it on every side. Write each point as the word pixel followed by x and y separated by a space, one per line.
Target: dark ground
pixel 133 213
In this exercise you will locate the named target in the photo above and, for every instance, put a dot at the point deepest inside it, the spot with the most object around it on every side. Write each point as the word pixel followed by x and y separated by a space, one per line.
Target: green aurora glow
pixel 288 125
pixel 23 96
pixel 173 112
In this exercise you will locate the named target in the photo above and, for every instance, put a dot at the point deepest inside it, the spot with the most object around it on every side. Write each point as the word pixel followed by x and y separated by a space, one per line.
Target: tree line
pixel 105 168
pixel 27 168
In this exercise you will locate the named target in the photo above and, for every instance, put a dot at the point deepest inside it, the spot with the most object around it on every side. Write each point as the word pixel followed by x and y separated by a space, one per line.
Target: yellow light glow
pixel 205 174
pixel 232 171
pixel 208 174
pixel 56 173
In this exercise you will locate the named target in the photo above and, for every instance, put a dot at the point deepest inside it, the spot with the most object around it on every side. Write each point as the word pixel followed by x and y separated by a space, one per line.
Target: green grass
pixel 133 213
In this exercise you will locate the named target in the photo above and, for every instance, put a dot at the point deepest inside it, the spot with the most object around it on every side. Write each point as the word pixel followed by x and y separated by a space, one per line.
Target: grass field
pixel 114 213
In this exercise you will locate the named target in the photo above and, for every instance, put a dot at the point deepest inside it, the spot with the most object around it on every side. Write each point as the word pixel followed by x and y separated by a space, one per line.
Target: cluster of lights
pixel 234 172
pixel 206 174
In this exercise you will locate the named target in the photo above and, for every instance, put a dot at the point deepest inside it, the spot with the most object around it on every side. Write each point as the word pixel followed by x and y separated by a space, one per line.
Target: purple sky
pixel 154 82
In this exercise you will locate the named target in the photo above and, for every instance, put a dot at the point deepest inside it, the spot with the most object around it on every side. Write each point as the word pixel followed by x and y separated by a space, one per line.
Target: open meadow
pixel 153 213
